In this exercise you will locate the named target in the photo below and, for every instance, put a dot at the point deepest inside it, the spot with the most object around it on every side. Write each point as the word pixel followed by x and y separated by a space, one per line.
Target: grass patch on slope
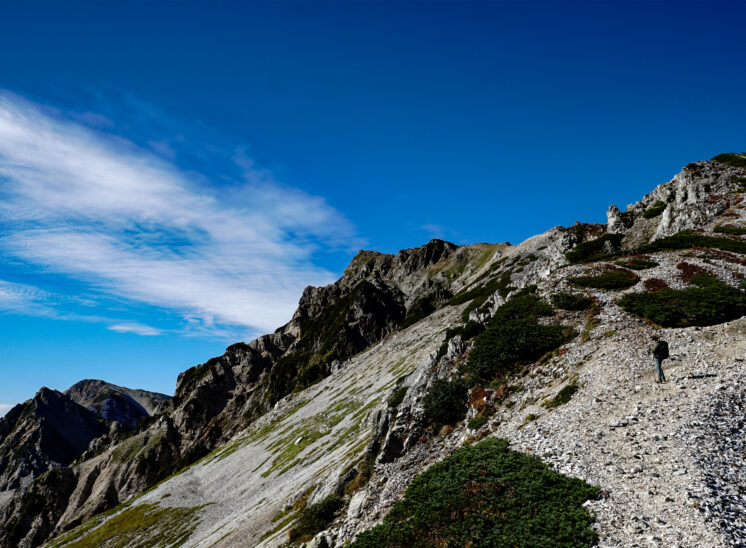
pixel 563 396
pixel 654 210
pixel 638 263
pixel 142 525
pixel 486 495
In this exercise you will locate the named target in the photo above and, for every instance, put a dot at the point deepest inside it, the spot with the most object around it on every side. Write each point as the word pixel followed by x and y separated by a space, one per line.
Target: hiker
pixel 660 353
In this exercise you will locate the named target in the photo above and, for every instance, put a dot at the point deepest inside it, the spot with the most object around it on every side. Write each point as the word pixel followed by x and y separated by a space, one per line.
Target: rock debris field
pixel 670 458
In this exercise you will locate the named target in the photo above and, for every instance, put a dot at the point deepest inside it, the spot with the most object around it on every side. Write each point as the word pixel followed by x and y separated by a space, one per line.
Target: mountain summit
pixel 371 416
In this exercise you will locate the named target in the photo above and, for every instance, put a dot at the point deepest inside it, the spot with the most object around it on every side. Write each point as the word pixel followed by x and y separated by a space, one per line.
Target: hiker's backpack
pixel 662 350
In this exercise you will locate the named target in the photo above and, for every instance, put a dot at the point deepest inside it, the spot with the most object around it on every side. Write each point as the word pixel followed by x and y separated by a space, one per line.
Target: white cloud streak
pixel 101 210
pixel 4 408
pixel 136 328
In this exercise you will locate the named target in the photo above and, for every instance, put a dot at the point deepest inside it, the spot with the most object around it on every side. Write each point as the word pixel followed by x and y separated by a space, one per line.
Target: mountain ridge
pixel 394 322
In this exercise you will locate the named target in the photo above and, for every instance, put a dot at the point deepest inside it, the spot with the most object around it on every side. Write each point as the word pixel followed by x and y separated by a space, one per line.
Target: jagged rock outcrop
pixel 697 196
pixel 332 402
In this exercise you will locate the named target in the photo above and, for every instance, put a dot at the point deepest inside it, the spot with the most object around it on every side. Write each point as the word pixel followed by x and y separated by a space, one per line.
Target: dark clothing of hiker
pixel 660 353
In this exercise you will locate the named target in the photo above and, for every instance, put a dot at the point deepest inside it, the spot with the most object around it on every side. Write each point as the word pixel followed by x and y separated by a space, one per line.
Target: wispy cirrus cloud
pixel 101 210
pixel 22 298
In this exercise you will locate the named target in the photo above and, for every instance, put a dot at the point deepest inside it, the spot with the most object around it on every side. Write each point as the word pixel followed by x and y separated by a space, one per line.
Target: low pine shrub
pixel 513 337
pixel 611 279
pixel 477 422
pixel 731 159
pixel 730 229
pixel 563 396
pixel 486 495
pixel 654 210
pixel 638 263
pixel 571 301
pixel 710 302
pixel 687 239
pixel 445 402
pixel 315 518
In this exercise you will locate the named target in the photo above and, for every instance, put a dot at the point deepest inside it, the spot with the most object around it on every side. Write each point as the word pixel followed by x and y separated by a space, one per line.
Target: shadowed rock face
pixel 115 403
pixel 46 431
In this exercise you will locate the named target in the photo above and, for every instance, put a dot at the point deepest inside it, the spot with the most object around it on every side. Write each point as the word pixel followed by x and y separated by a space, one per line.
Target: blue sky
pixel 173 174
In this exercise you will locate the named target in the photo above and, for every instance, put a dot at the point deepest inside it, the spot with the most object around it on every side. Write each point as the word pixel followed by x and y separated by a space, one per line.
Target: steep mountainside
pixel 48 430
pixel 313 432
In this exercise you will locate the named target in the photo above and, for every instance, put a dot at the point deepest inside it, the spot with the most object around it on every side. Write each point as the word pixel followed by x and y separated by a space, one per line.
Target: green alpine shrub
pixel 571 301
pixel 445 402
pixel 485 495
pixel 513 337
pixel 611 279
pixel 315 518
pixel 710 302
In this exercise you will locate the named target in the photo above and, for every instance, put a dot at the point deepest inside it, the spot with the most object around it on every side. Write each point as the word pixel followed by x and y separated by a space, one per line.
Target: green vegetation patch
pixel 142 525
pixel 315 518
pixel 485 495
pixel 563 396
pixel 730 229
pixel 513 337
pixel 731 159
pixel 611 279
pixel 398 396
pixel 654 210
pixel 477 422
pixel 710 302
pixel 638 263
pixel 571 301
pixel 687 239
pixel 445 402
